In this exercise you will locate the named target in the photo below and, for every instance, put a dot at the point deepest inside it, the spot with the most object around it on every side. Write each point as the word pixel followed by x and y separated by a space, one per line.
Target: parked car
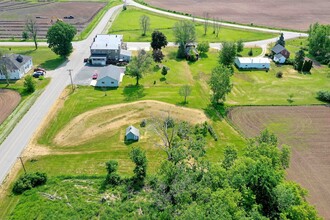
pixel 39 70
pixel 37 74
pixel 69 17
pixel 95 75
pixel 86 60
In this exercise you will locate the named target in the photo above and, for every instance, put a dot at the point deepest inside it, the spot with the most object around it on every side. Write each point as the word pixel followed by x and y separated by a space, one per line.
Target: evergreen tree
pixel 281 40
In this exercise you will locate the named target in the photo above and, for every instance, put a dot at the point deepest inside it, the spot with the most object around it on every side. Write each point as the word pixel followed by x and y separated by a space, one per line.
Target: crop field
pixel 279 14
pixel 14 15
pixel 9 99
pixel 306 130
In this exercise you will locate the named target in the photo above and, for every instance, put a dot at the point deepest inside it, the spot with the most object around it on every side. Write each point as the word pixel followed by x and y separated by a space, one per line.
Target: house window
pixel 112 82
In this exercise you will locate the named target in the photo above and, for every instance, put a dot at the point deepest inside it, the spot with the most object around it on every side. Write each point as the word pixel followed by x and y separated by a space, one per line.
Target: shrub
pixel 289 62
pixel 212 132
pixel 113 179
pixel 143 123
pixel 250 53
pixel 323 95
pixel 29 181
pixel 279 74
pixel 111 166
pixel 41 78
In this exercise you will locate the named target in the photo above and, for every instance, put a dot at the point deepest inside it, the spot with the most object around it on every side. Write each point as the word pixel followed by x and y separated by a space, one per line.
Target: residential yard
pixel 256 51
pixel 127 23
pixel 42 57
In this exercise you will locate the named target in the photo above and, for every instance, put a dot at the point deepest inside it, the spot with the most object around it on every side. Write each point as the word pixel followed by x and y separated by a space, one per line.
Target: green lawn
pixel 255 50
pixel 42 57
pixel 127 23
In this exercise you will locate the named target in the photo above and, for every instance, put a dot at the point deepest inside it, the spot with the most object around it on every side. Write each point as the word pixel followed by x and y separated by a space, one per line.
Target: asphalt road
pixel 19 138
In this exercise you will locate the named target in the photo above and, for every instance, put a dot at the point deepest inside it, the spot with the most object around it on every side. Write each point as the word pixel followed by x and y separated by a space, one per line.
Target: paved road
pixel 19 138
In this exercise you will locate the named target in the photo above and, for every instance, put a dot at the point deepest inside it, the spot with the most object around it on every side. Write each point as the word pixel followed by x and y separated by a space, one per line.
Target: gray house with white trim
pixel 16 65
pixel 109 76
pixel 132 134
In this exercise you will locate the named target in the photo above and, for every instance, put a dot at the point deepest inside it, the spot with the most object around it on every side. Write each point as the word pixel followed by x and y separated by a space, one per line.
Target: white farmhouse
pixel 110 76
pixel 108 49
pixel 252 63
pixel 279 58
pixel 16 65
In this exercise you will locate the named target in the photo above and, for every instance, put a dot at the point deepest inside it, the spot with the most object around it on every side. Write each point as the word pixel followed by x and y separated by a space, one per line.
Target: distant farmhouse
pixel 280 54
pixel 252 63
pixel 109 76
pixel 108 49
pixel 132 134
pixel 17 65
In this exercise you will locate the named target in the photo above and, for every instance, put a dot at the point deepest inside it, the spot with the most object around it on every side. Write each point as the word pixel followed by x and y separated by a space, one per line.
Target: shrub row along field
pixel 283 14
pixel 306 130
pixel 128 24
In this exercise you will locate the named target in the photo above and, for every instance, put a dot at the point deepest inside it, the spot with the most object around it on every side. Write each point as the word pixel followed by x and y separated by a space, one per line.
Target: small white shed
pixel 252 63
pixel 132 134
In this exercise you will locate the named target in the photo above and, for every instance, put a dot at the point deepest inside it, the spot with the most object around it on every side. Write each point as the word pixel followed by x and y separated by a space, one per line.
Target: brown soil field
pixel 307 130
pixel 110 118
pixel 13 15
pixel 293 14
pixel 9 99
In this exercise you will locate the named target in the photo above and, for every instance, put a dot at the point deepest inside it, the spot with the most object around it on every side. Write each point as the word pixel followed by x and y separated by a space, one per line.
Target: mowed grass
pixel 43 56
pixel 256 51
pixel 128 24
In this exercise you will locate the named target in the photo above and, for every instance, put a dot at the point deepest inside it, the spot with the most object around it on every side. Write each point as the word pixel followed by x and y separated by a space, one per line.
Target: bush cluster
pixel 279 74
pixel 29 181
pixel 324 95
pixel 201 129
pixel 212 132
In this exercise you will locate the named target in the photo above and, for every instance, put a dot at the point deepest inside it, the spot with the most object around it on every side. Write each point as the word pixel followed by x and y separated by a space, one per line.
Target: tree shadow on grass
pixel 53 63
pixel 215 112
pixel 133 92
pixel 173 56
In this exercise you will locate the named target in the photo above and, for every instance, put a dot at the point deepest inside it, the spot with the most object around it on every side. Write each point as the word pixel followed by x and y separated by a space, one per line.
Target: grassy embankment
pixel 128 24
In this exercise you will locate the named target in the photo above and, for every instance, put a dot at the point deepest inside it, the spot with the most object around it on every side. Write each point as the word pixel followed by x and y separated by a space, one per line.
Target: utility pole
pixel 20 158
pixel 70 70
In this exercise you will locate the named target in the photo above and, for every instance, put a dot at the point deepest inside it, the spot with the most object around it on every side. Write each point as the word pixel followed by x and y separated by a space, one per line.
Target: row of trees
pixel 319 42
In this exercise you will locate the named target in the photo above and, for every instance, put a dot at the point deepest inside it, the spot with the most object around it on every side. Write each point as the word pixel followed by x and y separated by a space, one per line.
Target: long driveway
pixel 19 138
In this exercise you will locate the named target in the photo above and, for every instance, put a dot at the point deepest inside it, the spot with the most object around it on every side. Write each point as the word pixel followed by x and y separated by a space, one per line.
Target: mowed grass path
pixel 128 24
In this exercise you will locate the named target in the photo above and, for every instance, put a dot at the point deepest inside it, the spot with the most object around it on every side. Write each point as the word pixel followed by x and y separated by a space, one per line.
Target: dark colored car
pixel 69 17
pixel 38 74
pixel 39 70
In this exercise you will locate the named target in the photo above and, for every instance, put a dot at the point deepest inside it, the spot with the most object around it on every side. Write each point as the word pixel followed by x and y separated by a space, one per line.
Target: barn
pixel 132 134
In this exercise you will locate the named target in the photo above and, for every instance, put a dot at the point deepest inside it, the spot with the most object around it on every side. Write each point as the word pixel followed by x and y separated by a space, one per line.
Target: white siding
pixel 107 82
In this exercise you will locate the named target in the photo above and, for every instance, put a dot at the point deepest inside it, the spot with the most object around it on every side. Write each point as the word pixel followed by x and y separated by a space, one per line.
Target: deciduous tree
pixel 239 46
pixel 144 24
pixel 220 83
pixel 227 54
pixel 138 65
pixel 185 91
pixel 32 27
pixel 59 37
pixel 158 40
pixel 299 60
pixel 319 42
pixel 4 71
pixel 203 47
pixel 184 32
pixel 29 84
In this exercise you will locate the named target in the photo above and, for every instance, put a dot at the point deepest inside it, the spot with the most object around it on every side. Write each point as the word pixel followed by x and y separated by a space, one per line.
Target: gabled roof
pixel 133 130
pixel 14 61
pixel 278 56
pixel 126 53
pixel 111 71
pixel 278 48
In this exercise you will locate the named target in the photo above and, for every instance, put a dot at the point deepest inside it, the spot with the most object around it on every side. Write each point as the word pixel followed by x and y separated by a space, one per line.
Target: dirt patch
pixel 9 99
pixel 306 129
pixel 293 14
pixel 110 118
pixel 13 15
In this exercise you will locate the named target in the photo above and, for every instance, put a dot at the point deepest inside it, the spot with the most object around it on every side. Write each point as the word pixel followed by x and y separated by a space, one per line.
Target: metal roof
pixel 133 130
pixel 107 42
pixel 111 71
pixel 278 48
pixel 253 60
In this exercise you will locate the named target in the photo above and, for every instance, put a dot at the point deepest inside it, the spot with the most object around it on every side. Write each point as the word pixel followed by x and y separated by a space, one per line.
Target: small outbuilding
pixel 109 76
pixel 132 134
pixel 279 58
pixel 252 63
